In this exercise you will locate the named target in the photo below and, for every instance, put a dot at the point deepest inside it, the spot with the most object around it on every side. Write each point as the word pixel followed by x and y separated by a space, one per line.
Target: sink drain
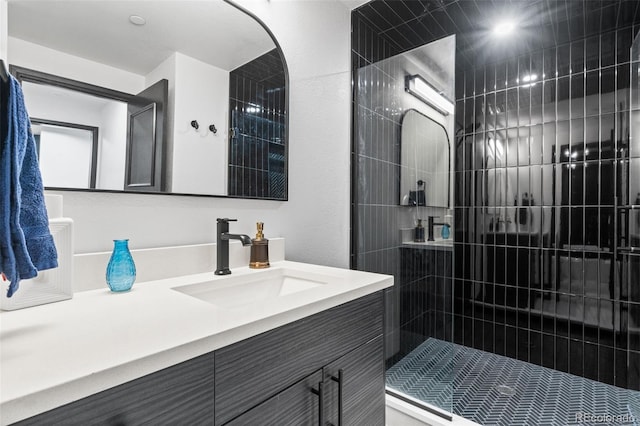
pixel 505 390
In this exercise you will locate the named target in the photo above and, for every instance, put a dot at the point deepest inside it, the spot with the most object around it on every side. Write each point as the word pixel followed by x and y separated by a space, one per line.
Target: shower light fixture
pixel 504 28
pixel 418 87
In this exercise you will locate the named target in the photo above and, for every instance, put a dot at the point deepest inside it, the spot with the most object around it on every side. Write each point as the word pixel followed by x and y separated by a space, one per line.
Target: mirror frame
pixel 24 74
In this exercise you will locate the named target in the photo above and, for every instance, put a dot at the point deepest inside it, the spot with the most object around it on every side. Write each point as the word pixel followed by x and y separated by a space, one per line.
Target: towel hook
pixel 194 124
pixel 213 129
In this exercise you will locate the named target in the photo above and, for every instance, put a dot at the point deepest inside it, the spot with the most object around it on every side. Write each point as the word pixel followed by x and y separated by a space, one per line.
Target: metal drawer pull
pixel 320 393
pixel 340 380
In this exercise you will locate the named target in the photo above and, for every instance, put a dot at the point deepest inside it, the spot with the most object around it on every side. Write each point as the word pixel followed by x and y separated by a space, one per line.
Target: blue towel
pixel 26 244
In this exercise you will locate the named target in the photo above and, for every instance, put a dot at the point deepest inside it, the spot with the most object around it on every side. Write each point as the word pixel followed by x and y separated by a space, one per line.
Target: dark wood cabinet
pixel 181 394
pixel 270 379
pixel 361 387
pixel 352 390
pixel 298 405
pixel 251 371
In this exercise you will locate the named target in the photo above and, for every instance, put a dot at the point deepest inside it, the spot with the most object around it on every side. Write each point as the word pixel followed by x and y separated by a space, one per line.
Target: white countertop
pixel 54 354
pixel 437 243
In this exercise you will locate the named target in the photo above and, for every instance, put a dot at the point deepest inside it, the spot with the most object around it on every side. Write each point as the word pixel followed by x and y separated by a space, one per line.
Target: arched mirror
pixel 424 161
pixel 172 96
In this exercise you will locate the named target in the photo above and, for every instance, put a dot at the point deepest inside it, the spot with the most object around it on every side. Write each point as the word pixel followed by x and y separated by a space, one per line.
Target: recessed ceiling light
pixel 137 20
pixel 503 28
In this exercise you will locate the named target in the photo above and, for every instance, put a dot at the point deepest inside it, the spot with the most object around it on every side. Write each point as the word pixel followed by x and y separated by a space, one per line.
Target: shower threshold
pixel 401 413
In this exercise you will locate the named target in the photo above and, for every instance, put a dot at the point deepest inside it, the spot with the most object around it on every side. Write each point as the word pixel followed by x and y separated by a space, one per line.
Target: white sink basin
pixel 259 287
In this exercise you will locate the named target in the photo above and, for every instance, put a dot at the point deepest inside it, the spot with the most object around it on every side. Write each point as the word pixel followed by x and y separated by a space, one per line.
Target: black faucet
pixel 222 245
pixel 431 224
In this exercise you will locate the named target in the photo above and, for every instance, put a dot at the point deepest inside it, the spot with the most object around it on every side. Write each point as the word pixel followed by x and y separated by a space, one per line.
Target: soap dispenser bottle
pixel 445 231
pixel 418 232
pixel 259 249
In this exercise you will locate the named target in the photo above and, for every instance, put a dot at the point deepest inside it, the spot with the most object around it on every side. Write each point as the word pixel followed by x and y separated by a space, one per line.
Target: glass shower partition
pixel 628 250
pixel 396 183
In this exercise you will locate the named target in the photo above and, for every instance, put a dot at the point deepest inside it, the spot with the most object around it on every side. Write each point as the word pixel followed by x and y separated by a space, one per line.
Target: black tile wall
pixel 424 291
pixel 546 168
pixel 257 147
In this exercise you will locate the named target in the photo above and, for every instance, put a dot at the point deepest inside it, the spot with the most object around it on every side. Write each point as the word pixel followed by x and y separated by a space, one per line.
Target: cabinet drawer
pixel 182 394
pixel 251 371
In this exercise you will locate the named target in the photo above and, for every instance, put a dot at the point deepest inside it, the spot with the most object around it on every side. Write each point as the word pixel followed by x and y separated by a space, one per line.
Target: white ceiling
pixel 354 4
pixel 208 30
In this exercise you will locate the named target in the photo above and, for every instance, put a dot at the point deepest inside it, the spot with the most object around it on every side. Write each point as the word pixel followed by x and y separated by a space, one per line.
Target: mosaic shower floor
pixel 495 390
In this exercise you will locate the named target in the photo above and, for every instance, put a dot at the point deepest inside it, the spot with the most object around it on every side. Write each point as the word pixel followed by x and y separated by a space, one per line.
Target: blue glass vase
pixel 445 232
pixel 121 271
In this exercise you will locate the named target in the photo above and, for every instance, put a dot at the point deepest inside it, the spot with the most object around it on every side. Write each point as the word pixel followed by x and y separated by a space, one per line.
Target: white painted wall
pixel 315 38
pixel 65 156
pixel 4 23
pixel 200 156
pixel 112 146
pixel 35 56
pixel 64 109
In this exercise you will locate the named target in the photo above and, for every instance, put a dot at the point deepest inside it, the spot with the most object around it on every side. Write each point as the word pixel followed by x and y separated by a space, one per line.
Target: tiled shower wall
pixel 535 276
pixel 257 148
pixel 538 282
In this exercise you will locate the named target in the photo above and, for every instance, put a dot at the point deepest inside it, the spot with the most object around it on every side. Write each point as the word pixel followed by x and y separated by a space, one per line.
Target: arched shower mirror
pixel 189 97
pixel 424 161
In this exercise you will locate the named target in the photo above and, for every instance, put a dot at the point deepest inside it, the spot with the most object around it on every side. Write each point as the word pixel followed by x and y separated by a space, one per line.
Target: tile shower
pixel 257 113
pixel 547 169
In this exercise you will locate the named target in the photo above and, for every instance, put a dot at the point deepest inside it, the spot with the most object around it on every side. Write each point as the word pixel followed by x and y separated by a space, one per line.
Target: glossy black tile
pixel 624 38
pixel 563 57
pixel 513 76
pixel 577 95
pixel 549 63
pixel 592 52
pixel 577 56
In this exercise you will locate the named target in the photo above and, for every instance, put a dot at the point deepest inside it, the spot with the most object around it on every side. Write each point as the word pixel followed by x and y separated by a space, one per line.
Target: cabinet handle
pixel 340 380
pixel 320 393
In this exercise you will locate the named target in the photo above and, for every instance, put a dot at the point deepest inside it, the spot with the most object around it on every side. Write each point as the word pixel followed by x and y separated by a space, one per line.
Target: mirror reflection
pixel 62 112
pixel 424 153
pixel 66 152
pixel 183 97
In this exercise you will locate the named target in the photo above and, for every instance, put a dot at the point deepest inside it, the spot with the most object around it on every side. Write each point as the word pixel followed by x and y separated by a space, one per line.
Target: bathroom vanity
pixel 304 346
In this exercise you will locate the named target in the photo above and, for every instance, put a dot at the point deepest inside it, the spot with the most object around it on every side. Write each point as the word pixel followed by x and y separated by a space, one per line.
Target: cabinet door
pixel 178 395
pixel 296 406
pixel 253 370
pixel 363 394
